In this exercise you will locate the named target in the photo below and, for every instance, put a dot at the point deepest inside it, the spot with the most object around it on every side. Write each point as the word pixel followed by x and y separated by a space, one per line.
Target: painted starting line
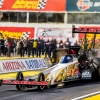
pixel 91 96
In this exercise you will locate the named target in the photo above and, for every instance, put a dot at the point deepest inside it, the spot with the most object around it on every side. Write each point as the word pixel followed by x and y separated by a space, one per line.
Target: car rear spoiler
pixel 85 30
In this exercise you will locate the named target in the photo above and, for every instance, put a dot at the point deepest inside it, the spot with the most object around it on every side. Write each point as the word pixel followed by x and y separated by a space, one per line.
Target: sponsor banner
pixel 83 5
pixel 58 33
pixel 7 66
pixel 33 5
pixel 17 32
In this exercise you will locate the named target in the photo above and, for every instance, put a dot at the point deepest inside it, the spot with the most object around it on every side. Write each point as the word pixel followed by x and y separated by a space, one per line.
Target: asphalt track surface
pixel 67 92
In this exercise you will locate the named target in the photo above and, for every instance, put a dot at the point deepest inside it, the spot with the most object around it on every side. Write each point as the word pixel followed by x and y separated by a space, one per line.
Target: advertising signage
pixel 83 5
pixel 17 32
pixel 33 5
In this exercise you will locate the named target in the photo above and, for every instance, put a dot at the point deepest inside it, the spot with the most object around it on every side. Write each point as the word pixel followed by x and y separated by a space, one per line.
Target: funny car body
pixel 63 71
pixel 67 69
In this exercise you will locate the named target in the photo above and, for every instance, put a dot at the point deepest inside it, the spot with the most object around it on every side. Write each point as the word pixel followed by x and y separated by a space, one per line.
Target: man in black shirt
pixel 67 43
pixel 42 46
pixel 39 45
pixel 29 47
pixel 21 48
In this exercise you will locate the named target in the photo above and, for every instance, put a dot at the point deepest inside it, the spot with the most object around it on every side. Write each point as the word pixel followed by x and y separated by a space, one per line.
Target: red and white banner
pixel 17 32
pixel 14 65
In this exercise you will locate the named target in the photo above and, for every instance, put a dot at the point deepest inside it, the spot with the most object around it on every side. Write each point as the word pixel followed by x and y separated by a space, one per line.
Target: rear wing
pixel 85 30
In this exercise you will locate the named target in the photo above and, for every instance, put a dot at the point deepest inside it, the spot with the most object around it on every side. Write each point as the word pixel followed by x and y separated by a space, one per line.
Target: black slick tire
pixel 19 77
pixel 40 78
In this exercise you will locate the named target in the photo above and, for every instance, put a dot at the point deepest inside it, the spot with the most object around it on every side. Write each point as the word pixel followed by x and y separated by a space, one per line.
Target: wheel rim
pixel 24 88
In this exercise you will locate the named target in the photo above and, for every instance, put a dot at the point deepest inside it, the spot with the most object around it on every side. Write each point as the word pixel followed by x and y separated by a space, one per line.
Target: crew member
pixel 9 47
pixel 42 46
pixel 29 47
pixel 67 43
pixel 52 46
pixel 47 48
pixel 34 47
pixel 38 52
pixel 21 48
pixel 61 45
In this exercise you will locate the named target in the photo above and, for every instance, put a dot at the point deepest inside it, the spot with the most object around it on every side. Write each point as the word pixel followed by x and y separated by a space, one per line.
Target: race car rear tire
pixel 98 70
pixel 19 77
pixel 96 65
pixel 40 78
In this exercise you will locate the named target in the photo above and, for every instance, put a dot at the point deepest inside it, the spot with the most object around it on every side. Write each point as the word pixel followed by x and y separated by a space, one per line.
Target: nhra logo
pixel 84 4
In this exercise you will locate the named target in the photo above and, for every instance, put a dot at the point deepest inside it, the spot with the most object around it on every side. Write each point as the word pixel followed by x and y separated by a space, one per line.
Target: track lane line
pixel 84 96
pixel 94 97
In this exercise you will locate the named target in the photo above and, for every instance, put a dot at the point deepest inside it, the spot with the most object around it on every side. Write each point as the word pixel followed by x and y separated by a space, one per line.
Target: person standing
pixel 17 46
pixel 67 43
pixel 14 47
pixel 29 47
pixel 61 44
pixel 47 48
pixel 21 48
pixel 42 46
pixel 38 51
pixel 9 47
pixel 53 45
pixel 34 47
pixel 76 43
pixel 5 47
pixel 26 41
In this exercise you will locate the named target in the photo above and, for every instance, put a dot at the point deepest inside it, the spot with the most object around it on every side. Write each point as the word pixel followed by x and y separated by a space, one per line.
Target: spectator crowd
pixel 32 47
